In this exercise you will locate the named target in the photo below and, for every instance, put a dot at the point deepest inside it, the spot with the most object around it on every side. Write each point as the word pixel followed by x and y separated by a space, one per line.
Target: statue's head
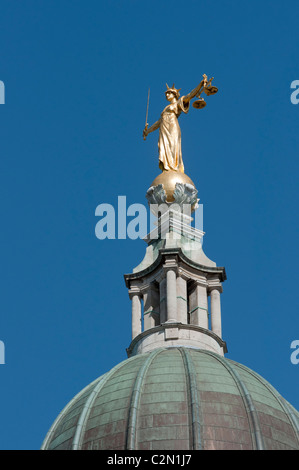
pixel 173 90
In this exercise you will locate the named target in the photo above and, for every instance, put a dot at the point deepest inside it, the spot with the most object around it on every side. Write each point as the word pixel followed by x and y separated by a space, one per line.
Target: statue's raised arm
pixel 197 91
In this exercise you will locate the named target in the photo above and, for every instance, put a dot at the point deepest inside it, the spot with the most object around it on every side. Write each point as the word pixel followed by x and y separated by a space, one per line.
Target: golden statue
pixel 170 149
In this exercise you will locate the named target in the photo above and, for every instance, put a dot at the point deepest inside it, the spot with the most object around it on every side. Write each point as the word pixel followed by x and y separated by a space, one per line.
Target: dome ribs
pixel 258 441
pixel 80 430
pixel 135 400
pixel 51 433
pixel 194 398
pixel 285 406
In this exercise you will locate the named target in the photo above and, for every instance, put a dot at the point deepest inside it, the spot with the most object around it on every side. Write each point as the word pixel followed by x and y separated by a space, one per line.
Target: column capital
pixel 217 287
pixel 170 262
pixel 170 268
pixel 170 265
pixel 200 282
pixel 134 291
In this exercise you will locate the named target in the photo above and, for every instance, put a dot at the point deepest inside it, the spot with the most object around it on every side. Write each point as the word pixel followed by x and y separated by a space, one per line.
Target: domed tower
pixel 176 390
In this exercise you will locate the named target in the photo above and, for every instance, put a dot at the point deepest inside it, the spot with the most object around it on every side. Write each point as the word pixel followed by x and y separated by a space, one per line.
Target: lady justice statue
pixel 169 143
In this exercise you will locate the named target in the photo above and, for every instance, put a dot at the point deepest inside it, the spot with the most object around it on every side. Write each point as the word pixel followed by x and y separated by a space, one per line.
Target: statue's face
pixel 169 96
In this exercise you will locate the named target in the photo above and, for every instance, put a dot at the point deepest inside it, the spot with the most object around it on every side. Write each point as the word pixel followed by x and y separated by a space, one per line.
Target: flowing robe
pixel 170 148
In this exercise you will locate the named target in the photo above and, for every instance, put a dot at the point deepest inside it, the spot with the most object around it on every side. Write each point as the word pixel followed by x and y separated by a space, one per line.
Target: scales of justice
pixel 173 185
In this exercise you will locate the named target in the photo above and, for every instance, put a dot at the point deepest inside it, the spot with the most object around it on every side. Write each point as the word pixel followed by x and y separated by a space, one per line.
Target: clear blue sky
pixel 76 77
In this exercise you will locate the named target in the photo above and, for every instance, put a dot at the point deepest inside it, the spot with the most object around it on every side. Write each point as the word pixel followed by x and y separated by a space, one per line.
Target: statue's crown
pixel 173 89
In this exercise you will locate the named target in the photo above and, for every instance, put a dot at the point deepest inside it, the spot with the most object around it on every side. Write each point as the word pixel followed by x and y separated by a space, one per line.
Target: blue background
pixel 77 75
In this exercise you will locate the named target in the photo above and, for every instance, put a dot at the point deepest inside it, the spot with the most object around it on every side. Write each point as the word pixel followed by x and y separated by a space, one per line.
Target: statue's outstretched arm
pixel 196 90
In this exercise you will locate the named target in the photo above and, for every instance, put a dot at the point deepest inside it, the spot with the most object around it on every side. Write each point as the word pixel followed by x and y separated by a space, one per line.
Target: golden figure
pixel 170 149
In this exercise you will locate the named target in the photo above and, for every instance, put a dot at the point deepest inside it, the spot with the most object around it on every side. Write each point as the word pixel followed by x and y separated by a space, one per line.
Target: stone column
pixel 216 312
pixel 136 314
pixel 163 300
pixel 151 312
pixel 171 294
pixel 198 306
pixel 182 300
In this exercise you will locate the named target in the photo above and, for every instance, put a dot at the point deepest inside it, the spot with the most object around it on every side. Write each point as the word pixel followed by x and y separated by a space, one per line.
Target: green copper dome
pixel 176 399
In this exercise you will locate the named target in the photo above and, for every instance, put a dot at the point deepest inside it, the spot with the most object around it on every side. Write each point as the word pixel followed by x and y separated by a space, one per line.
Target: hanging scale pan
pixel 199 104
pixel 210 90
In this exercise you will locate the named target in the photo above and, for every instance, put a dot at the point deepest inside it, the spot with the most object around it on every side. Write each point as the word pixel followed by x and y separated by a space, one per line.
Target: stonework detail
pixel 182 289
pixel 156 195
pixel 183 194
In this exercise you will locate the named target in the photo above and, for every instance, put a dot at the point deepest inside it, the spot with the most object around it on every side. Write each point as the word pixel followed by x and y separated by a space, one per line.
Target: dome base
pixel 176 334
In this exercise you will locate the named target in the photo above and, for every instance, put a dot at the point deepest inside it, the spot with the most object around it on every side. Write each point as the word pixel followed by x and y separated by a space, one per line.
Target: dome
pixel 176 398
